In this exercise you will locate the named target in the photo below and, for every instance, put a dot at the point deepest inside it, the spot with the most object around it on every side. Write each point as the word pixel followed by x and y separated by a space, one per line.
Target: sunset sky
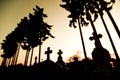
pixel 67 39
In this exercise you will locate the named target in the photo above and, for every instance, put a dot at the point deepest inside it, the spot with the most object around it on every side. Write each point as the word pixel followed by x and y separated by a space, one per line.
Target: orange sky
pixel 67 39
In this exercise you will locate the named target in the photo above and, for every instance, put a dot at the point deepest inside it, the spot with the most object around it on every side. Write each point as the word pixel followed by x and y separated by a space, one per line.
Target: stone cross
pixel 35 60
pixel 96 38
pixel 48 52
pixel 59 53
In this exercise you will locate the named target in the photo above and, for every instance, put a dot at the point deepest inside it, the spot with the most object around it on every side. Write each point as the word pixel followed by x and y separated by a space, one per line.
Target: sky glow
pixel 67 39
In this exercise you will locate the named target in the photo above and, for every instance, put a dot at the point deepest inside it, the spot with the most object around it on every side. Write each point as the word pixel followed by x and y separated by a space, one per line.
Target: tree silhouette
pixel 40 28
pixel 100 10
pixel 83 11
pixel 76 10
pixel 35 32
pixel 91 9
pixel 17 36
pixel 107 6
pixel 32 35
pixel 9 47
pixel 26 46
pixel 21 32
pixel 29 34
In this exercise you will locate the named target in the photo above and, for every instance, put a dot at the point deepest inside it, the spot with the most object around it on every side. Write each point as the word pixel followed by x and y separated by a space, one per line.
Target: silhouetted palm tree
pixel 83 11
pixel 15 40
pixel 5 56
pixel 32 35
pixel 37 31
pixel 26 46
pixel 77 15
pixel 21 32
pixel 9 47
pixel 17 36
pixel 91 9
pixel 100 10
pixel 106 6
pixel 28 34
pixel 17 53
pixel 41 29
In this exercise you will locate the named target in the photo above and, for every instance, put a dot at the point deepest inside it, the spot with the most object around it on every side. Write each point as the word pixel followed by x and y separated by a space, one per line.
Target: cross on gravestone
pixel 96 38
pixel 48 52
pixel 35 60
pixel 60 52
pixel 60 61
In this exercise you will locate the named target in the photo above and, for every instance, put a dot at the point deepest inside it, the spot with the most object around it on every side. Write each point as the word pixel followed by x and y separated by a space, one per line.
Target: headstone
pixel 60 61
pixel 96 38
pixel 35 60
pixel 101 60
pixel 101 56
pixel 60 57
pixel 48 53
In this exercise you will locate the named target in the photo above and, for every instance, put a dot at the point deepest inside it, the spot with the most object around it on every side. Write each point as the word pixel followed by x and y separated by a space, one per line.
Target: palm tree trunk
pixel 9 62
pixel 17 53
pixel 93 26
pixel 82 39
pixel 97 41
pixel 13 59
pixel 114 49
pixel 115 26
pixel 4 62
pixel 31 56
pixel 26 57
pixel 39 53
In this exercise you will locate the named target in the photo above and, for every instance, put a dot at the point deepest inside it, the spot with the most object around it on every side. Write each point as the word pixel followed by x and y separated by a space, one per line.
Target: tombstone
pixel 99 53
pixel 35 60
pixel 96 38
pixel 60 61
pixel 48 53
pixel 76 69
pixel 48 67
pixel 101 56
